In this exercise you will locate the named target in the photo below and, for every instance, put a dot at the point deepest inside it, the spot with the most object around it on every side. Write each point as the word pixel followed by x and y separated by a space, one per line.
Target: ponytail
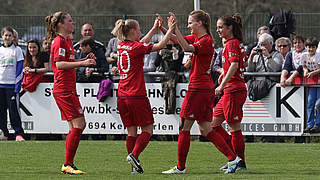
pixel 53 21
pixel 236 22
pixel 123 27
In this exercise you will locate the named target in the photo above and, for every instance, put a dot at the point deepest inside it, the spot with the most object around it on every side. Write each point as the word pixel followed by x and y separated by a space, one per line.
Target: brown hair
pixel 28 59
pixel 311 41
pixel 7 28
pixel 123 27
pixel 236 22
pixel 204 17
pixel 87 41
pixel 53 21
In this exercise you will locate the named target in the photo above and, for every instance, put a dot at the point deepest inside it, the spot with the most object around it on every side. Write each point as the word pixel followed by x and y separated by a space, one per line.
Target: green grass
pixel 106 160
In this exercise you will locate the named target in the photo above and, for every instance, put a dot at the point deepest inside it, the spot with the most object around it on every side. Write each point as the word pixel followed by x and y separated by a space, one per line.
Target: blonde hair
pixel 53 21
pixel 123 27
pixel 201 15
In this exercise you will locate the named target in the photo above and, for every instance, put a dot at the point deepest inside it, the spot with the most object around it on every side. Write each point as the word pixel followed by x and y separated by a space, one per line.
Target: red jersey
pixel 62 50
pixel 234 52
pixel 200 77
pixel 130 65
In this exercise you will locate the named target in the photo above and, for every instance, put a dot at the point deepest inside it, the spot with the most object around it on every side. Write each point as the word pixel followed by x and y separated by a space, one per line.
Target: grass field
pixel 106 160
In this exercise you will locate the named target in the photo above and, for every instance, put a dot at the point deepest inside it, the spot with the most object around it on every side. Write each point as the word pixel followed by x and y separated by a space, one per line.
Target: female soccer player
pixel 133 105
pixel 199 99
pixel 229 107
pixel 60 26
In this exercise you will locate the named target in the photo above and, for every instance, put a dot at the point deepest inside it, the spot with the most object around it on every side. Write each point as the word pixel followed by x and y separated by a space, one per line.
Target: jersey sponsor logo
pixel 62 52
pixel 71 56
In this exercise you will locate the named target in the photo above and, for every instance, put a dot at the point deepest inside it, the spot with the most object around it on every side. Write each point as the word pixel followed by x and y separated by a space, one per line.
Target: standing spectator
pixel 311 69
pixel 149 66
pixel 198 102
pixel 283 45
pixel 60 25
pixel 88 31
pixel 34 66
pixel 15 38
pixel 11 67
pixel 170 62
pixel 261 30
pixel 293 62
pixel 111 52
pixel 132 102
pixel 272 59
pixel 45 53
pixel 84 74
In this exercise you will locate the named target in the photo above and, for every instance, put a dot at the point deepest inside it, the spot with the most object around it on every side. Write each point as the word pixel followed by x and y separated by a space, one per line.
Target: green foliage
pixel 106 160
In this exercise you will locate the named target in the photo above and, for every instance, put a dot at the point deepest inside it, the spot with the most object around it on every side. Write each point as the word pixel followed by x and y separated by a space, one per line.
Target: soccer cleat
pixel 133 171
pixel 233 165
pixel 135 163
pixel 71 169
pixel 225 167
pixel 19 138
pixel 174 170
pixel 242 166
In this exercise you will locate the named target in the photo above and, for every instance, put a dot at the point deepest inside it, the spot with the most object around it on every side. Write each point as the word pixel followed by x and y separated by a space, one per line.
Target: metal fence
pixel 34 25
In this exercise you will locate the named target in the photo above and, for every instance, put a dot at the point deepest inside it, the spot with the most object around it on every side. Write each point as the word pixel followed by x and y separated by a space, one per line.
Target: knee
pixel 317 106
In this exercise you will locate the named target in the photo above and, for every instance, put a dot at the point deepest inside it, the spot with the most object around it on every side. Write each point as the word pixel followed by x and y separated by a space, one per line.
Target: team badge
pixel 62 52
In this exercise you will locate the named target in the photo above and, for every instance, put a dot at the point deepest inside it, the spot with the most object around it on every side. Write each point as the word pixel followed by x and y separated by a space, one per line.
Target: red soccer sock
pixel 141 143
pixel 72 143
pixel 183 148
pixel 221 144
pixel 131 141
pixel 238 143
pixel 225 136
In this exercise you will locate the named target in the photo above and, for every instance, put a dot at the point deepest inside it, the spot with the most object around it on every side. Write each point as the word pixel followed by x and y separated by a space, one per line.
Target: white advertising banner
pixel 281 113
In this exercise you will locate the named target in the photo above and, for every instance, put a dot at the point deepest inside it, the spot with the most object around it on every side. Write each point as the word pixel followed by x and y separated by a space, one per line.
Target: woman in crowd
pixel 311 69
pixel 293 62
pixel 283 45
pixel 199 99
pixel 11 65
pixel 60 26
pixel 34 66
pixel 132 102
pixel 229 107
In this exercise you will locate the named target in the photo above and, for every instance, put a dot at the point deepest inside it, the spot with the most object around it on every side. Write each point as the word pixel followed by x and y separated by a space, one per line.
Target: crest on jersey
pixel 62 52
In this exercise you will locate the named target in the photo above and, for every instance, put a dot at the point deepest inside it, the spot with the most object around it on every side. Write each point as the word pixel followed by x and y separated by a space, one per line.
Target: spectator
pixel 87 30
pixel 293 62
pixel 261 30
pixel 15 38
pixel 84 74
pixel 45 53
pixel 217 69
pixel 170 62
pixel 34 66
pixel 311 69
pixel 283 45
pixel 149 66
pixel 272 59
pixel 11 65
pixel 111 52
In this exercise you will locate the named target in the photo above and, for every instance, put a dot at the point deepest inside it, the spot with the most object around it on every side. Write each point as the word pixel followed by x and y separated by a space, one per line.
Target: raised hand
pixel 172 21
pixel 161 21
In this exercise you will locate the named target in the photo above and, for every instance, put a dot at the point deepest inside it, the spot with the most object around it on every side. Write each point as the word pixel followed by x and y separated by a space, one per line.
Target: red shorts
pixel 230 105
pixel 198 105
pixel 69 105
pixel 135 111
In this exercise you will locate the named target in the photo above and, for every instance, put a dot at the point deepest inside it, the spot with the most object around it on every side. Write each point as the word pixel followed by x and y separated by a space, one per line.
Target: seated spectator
pixel 264 52
pixel 293 62
pixel 170 62
pixel 283 45
pixel 34 66
pixel 311 69
pixel 149 66
pixel 84 74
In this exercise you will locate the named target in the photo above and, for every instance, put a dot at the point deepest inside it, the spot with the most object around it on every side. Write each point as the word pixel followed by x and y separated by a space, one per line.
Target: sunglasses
pixel 283 46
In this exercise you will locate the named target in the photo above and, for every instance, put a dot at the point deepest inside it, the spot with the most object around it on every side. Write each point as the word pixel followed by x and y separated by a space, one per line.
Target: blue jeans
pixel 313 116
pixel 10 100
